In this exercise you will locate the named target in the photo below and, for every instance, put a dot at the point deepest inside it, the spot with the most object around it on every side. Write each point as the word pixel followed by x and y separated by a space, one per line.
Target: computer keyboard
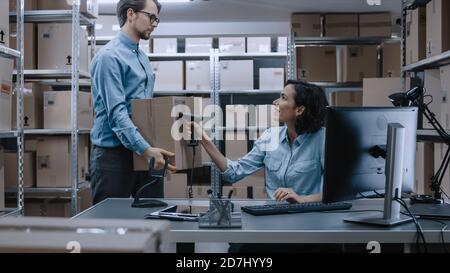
pixel 294 208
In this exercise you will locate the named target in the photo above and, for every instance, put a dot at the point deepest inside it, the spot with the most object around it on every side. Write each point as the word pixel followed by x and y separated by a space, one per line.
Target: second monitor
pixel 355 150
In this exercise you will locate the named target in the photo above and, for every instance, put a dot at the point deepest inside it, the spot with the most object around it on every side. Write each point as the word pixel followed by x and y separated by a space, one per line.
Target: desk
pixel 316 228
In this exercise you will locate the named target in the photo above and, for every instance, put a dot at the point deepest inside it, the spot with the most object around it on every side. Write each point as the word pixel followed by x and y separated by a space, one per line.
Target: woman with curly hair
pixel 294 161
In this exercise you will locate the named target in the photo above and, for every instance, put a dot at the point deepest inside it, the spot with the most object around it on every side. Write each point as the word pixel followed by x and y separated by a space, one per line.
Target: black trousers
pixel 112 175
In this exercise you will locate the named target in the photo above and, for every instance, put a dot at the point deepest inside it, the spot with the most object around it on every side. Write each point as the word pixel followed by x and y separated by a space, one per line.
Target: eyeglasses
pixel 154 20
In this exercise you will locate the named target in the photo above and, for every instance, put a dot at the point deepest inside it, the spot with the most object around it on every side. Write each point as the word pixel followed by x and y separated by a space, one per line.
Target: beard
pixel 144 35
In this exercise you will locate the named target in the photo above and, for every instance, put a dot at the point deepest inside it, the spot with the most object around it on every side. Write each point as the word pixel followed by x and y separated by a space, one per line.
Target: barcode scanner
pixel 154 176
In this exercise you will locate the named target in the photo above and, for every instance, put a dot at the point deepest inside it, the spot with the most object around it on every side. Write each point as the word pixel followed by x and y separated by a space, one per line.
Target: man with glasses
pixel 121 72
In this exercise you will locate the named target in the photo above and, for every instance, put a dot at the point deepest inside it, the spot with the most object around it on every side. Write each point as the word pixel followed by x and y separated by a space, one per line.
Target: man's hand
pixel 159 155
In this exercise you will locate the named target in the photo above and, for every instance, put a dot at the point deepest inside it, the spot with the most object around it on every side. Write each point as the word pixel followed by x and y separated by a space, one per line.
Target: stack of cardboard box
pixel 53 160
pixel 169 75
pixel 341 25
pixel 236 75
pixel 416 38
pixel 358 63
pixel 198 45
pixel 306 25
pixel 438 27
pixel 375 25
pixel 346 99
pixel 54 47
pixel 164 45
pixel 57 110
pixel 29 170
pixel 32 107
pixel 175 186
pixel 88 8
pixel 317 64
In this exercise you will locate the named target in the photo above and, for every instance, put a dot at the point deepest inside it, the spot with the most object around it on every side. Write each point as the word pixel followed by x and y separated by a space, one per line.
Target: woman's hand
pixel 288 194
pixel 200 135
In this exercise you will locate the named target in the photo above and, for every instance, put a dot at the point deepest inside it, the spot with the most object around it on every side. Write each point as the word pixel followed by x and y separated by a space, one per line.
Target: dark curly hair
pixel 136 5
pixel 313 98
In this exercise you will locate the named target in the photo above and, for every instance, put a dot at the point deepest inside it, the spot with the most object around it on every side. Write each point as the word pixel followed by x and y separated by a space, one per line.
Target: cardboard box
pixel 57 110
pixel 32 106
pixel 259 45
pixel 165 45
pixel 29 5
pixel 439 152
pixel 424 167
pixel 53 161
pixel 391 60
pixel 259 193
pixel 2 180
pixel 31 144
pixel 169 75
pixel 4 23
pixel 236 117
pixel 155 123
pixel 263 116
pixel 232 44
pixel 6 89
pixel 359 62
pixel 376 91
pixel 198 45
pixel 236 75
pixel 317 64
pixel 341 25
pixel 445 98
pixel 55 47
pixel 438 27
pixel 347 99
pixel 375 25
pixel 271 79
pixel 238 192
pixel 198 75
pixel 432 84
pixel 200 191
pixel 87 7
pixel 175 186
pixel 30 57
pixel 416 35
pixel 46 235
pixel 306 25
pixel 56 207
pixel 11 171
pixel 282 45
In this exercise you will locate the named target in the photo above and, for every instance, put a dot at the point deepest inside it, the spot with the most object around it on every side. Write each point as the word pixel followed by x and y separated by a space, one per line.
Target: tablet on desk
pixel 179 213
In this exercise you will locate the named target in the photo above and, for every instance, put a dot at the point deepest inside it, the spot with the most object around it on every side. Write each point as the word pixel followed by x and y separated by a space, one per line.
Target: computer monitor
pixel 356 140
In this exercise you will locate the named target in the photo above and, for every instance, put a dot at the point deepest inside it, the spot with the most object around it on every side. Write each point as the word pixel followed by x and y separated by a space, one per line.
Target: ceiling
pixel 257 10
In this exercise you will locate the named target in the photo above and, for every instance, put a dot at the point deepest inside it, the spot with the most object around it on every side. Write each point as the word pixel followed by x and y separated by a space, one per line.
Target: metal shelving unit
pixel 330 87
pixel 51 74
pixel 434 62
pixel 9 53
pixel 64 77
pixel 335 41
pixel 53 16
pixel 49 192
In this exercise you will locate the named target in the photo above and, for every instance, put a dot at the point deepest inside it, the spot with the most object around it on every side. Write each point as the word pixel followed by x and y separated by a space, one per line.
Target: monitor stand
pixel 394 176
